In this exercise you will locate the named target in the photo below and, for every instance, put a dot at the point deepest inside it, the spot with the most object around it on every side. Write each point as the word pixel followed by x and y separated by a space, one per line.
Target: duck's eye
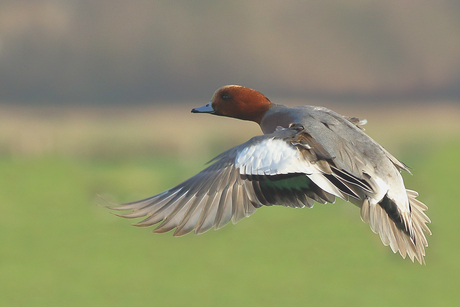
pixel 225 96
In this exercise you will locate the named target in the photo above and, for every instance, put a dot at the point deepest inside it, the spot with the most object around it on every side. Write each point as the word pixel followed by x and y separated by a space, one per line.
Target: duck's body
pixel 306 154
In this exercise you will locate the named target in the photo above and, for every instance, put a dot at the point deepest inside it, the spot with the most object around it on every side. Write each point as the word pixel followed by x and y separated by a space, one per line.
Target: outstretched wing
pixel 287 167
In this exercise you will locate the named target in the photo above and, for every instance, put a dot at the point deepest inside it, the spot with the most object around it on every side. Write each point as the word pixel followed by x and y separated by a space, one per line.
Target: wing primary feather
pixel 341 186
pixel 224 210
pixel 238 205
pixel 352 179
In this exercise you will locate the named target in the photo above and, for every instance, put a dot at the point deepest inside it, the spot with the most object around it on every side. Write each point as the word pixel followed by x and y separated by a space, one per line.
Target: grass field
pixel 60 247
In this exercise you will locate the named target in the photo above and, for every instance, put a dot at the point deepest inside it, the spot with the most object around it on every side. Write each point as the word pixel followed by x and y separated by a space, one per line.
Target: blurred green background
pixel 95 99
pixel 59 246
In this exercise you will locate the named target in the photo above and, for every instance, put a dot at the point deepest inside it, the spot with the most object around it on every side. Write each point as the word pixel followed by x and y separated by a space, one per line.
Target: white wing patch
pixel 276 156
pixel 269 157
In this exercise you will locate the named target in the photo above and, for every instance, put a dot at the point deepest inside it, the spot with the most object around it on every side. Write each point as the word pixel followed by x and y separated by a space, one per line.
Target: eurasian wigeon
pixel 306 154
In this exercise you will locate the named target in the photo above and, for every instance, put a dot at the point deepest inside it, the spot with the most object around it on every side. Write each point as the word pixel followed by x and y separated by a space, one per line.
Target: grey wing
pixel 264 171
pixel 391 210
pixel 211 198
pixel 289 167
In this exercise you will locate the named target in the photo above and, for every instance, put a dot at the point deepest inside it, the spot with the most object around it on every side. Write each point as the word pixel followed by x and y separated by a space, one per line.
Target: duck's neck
pixel 277 115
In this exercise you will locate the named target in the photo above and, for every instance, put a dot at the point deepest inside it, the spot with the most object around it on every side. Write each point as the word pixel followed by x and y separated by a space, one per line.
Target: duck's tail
pixel 402 231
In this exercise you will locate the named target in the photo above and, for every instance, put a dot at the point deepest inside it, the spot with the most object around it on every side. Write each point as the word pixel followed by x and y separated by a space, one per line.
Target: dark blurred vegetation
pixel 143 51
